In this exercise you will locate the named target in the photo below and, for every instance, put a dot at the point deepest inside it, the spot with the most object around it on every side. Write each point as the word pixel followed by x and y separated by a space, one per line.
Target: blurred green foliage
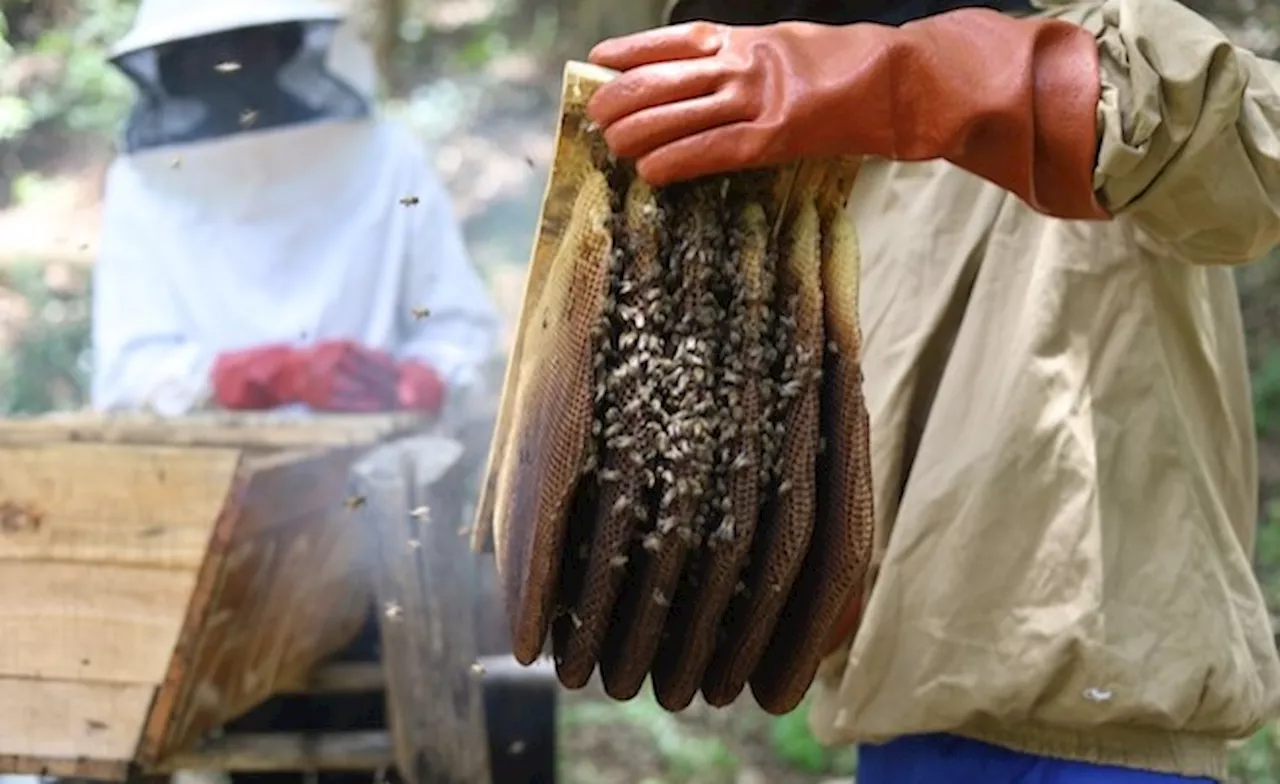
pixel 686 757
pixel 47 362
pixel 82 93
pixel 794 744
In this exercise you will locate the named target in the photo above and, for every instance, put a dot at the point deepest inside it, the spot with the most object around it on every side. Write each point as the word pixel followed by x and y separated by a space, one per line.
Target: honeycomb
pixel 679 487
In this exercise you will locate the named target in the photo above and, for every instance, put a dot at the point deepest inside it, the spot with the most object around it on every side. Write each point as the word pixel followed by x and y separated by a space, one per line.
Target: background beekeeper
pixel 1064 453
pixel 268 240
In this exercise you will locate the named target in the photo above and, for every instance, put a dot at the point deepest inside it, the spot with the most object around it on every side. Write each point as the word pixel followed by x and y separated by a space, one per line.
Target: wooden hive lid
pixel 125 542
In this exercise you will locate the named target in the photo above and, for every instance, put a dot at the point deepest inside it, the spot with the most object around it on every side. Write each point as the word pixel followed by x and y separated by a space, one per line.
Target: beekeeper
pixel 1063 445
pixel 268 240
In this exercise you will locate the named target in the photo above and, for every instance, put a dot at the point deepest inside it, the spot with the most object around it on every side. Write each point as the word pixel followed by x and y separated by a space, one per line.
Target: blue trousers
pixel 947 759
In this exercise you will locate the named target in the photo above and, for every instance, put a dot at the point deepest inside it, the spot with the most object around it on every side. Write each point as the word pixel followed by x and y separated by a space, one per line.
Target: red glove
pixel 338 375
pixel 1011 100
pixel 419 388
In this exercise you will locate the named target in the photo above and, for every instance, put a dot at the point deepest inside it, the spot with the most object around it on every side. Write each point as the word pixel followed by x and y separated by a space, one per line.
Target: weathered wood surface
pixel 281 589
pixel 66 622
pixel 425 585
pixel 99 551
pixel 503 679
pixel 343 677
pixel 71 728
pixel 158 577
pixel 241 430
pixel 288 751
pixel 107 504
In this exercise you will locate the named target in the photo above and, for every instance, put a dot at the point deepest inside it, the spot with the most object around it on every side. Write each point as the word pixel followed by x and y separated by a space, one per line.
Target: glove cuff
pixel 1013 101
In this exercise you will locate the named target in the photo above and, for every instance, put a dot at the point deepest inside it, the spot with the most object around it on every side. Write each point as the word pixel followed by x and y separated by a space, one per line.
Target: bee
pixel 724 532
pixel 248 117
pixel 621 504
pixel 420 313
pixel 409 201
pixel 227 66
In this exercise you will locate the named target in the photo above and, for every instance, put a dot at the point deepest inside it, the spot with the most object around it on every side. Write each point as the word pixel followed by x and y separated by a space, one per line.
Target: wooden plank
pixel 69 720
pixel 425 584
pixel 273 601
pixel 176 687
pixel 250 429
pixel 340 678
pixel 358 677
pixel 285 751
pixel 93 503
pixel 63 768
pixel 302 484
pixel 114 624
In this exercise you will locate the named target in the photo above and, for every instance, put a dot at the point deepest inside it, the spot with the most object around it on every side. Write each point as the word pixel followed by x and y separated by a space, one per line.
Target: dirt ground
pixel 605 742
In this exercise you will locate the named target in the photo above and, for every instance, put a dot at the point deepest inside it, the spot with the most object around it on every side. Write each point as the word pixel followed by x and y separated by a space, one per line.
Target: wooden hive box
pixel 160 577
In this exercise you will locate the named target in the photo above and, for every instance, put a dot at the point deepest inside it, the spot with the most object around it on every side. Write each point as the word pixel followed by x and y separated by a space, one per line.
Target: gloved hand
pixel 419 388
pixel 338 375
pixel 1010 100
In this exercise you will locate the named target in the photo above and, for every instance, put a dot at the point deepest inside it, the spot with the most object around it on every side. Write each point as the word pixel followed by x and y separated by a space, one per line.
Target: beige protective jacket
pixel 1063 444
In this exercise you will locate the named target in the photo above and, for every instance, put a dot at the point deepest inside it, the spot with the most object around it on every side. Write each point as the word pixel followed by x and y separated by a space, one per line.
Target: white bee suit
pixel 336 229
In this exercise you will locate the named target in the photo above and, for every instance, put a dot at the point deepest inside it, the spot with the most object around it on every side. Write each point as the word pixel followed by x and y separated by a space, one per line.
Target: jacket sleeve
pixel 1189 132
pixel 142 360
pixel 448 319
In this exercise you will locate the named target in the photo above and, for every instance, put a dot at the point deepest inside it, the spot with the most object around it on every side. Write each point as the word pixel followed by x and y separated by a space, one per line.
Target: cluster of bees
pixel 679 487
pixel 695 371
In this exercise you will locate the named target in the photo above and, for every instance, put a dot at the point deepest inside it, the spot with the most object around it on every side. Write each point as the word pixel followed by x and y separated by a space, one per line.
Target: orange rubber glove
pixel 1011 100
pixel 337 375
